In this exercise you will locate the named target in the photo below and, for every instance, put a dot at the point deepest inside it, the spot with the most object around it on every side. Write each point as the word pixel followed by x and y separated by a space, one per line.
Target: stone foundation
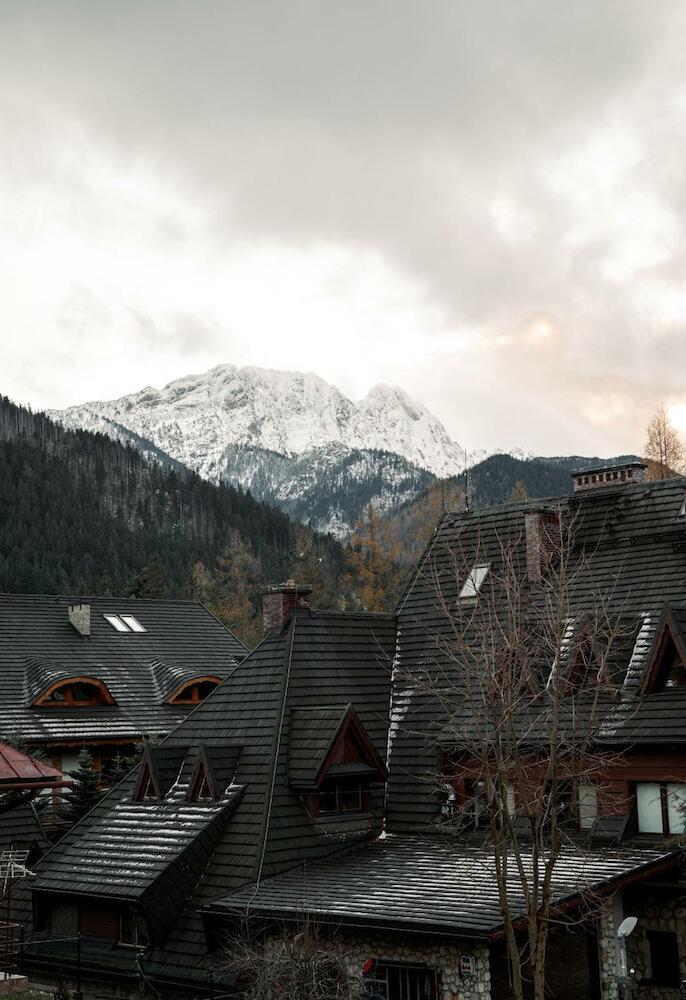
pixel 443 957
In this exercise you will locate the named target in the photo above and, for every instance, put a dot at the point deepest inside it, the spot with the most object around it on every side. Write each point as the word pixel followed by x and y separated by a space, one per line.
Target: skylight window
pixel 133 623
pixel 474 581
pixel 124 623
pixel 682 510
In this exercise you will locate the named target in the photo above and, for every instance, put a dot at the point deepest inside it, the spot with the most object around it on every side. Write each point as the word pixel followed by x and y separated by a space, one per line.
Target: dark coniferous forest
pixel 80 513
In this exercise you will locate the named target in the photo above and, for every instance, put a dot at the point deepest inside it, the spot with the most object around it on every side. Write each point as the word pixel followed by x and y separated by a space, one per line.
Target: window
pixel 341 797
pixel 663 958
pixel 77 692
pixel 133 932
pixel 133 623
pixel 588 806
pixel 193 692
pixel 661 807
pixel 474 581
pixel 124 623
pixel 401 982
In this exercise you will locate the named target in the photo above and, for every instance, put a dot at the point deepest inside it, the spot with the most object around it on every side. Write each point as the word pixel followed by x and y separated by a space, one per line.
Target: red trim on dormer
pixel 179 695
pixel 352 745
pixel 202 775
pixel 667 632
pixel 146 778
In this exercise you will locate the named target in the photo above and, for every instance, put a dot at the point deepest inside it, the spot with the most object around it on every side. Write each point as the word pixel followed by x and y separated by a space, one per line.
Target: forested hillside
pixel 81 513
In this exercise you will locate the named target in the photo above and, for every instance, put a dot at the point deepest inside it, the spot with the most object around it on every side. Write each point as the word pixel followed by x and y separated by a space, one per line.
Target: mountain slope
pixel 196 418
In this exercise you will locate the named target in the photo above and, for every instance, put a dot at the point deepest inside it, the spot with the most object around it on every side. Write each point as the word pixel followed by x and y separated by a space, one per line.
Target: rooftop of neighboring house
pixel 285 759
pixel 627 553
pixel 98 668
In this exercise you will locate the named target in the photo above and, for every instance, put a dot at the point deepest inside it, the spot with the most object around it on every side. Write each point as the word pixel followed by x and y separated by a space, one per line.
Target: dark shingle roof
pixel 319 658
pixel 424 885
pixel 20 827
pixel 629 546
pixel 38 645
pixel 312 731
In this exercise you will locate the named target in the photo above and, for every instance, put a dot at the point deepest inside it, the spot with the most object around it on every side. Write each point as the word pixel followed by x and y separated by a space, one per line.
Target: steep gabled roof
pixel 39 646
pixel 629 546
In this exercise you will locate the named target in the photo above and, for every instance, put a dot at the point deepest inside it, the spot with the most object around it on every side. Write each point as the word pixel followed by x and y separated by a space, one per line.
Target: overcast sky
pixel 481 201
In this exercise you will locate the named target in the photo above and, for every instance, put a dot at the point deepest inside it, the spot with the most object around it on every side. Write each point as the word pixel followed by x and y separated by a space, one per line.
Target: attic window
pixel 75 692
pixel 194 691
pixel 474 581
pixel 124 623
pixel 335 797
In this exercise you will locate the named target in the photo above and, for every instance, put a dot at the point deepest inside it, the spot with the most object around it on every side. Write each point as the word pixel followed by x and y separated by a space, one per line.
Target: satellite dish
pixel 626 926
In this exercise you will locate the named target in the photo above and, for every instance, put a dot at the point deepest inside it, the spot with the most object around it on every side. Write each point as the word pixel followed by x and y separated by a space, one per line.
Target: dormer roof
pixel 329 741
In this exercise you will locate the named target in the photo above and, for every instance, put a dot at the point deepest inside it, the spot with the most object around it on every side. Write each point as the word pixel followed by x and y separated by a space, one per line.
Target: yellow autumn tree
pixel 375 577
pixel 234 589
pixel 663 450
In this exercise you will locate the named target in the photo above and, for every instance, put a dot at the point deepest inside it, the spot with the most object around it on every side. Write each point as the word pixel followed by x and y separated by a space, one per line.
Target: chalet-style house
pixel 325 778
pixel 104 673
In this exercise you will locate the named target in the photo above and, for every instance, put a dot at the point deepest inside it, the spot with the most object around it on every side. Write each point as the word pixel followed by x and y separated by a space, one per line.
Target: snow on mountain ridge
pixel 195 418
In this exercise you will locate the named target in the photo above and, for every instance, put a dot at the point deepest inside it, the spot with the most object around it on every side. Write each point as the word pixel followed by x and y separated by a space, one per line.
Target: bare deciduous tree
pixel 663 450
pixel 291 963
pixel 522 680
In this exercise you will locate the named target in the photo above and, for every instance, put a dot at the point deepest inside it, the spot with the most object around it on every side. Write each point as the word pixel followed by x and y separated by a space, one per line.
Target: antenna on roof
pixel 467 483
pixel 12 866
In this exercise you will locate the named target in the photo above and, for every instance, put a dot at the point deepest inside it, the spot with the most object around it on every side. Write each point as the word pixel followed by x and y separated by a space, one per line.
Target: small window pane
pixel 676 806
pixel 133 623
pixel 588 806
pixel 472 584
pixel 116 623
pixel 649 806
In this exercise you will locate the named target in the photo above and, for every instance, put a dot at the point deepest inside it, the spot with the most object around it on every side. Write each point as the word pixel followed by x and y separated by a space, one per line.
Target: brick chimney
pixel 279 601
pixel 542 529
pixel 80 618
pixel 608 475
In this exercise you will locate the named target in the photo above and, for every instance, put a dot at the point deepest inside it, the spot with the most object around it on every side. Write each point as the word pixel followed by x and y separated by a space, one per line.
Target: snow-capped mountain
pixel 195 418
pixel 282 434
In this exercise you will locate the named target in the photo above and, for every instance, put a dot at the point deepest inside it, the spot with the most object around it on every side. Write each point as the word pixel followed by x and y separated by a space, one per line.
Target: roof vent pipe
pixel 80 617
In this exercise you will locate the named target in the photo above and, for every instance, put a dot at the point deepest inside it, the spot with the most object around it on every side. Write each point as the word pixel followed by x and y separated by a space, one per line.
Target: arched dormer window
pixel 194 691
pixel 75 692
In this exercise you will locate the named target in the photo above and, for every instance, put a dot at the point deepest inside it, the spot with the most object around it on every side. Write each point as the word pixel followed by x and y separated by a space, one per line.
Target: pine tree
pixel 152 581
pixel 84 792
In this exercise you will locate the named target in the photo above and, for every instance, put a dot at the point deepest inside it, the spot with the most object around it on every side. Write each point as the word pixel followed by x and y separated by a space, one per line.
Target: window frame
pixel 667 794
pixel 474 581
pixel 340 787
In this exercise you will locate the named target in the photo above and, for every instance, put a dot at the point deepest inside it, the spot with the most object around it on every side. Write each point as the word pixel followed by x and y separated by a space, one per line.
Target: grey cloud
pixel 391 126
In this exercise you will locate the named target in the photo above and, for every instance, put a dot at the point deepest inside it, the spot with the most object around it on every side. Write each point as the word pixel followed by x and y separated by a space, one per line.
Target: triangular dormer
pixel 214 771
pixel 330 742
pixel 202 786
pixel 667 663
pixel 158 770
pixel 148 786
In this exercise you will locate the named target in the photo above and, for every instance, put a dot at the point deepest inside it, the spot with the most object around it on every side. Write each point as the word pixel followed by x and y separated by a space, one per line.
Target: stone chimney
pixel 542 529
pixel 80 617
pixel 279 601
pixel 608 475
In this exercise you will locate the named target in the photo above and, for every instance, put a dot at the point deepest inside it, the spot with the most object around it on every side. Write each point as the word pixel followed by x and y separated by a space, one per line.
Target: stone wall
pixel 443 957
